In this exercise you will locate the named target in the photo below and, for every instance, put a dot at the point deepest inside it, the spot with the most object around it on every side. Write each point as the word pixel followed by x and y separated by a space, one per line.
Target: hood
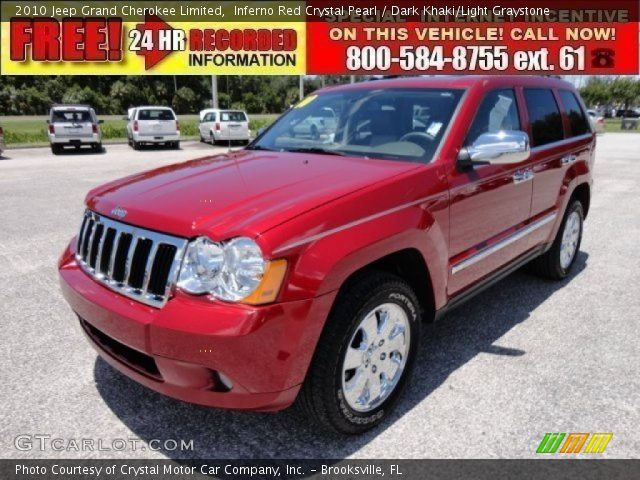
pixel 240 193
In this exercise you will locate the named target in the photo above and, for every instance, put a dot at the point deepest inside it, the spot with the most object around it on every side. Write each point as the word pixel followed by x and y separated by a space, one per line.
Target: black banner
pixel 319 469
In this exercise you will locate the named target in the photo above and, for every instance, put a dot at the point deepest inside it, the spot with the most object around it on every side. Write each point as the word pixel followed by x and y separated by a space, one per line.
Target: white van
pixel 153 125
pixel 223 125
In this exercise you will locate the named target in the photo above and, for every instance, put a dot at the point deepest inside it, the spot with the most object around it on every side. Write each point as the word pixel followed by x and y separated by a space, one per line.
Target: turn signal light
pixel 270 285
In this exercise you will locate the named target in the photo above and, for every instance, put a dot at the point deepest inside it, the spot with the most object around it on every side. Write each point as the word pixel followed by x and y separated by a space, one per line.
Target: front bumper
pixel 192 348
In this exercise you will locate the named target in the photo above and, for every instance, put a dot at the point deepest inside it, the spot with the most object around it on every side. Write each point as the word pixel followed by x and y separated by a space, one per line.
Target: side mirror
pixel 100 121
pixel 500 148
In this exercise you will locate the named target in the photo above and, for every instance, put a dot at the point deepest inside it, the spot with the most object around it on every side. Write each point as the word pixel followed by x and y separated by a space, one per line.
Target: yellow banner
pixel 152 47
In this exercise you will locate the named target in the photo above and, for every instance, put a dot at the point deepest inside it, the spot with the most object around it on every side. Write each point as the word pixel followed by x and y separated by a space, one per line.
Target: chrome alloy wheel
pixel 376 357
pixel 570 238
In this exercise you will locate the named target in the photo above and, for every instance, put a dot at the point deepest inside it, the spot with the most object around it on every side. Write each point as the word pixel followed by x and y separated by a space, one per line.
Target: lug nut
pixel 373 369
pixel 381 343
pixel 383 356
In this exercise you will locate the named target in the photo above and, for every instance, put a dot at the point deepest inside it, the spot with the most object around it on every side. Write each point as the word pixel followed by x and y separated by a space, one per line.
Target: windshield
pixel 397 124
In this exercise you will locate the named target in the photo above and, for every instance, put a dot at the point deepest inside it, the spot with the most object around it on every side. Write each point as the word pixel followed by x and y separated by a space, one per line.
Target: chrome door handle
pixel 568 159
pixel 523 176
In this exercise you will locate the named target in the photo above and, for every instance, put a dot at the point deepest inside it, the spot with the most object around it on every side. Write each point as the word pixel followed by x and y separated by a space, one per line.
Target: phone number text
pixel 462 58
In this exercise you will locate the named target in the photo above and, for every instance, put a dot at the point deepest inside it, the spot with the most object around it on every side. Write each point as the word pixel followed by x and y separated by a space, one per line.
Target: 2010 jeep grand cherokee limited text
pixel 303 266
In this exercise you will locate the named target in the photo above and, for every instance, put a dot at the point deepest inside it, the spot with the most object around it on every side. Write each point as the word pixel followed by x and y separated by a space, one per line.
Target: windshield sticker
pixel 306 101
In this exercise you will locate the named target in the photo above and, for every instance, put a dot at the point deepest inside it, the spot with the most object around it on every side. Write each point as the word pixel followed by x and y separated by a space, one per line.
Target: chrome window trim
pixel 514 237
pixel 137 234
pixel 564 141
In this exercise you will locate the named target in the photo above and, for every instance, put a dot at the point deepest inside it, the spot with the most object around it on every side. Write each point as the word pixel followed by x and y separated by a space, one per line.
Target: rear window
pixel 233 117
pixel 71 116
pixel 149 114
pixel 577 119
pixel 544 115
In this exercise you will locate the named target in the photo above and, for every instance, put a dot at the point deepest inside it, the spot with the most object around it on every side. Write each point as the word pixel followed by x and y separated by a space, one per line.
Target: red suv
pixel 303 266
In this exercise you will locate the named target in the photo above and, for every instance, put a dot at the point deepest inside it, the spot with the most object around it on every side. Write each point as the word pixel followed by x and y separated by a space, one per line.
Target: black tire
pixel 213 139
pixel 321 397
pixel 549 265
pixel 135 145
pixel 176 145
pixel 97 148
pixel 56 149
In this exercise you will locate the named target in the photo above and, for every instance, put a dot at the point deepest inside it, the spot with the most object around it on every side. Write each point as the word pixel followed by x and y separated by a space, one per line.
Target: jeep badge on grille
pixel 119 212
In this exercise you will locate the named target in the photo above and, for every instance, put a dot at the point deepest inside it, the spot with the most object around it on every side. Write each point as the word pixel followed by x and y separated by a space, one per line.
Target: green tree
pixel 185 101
pixel 596 92
pixel 625 90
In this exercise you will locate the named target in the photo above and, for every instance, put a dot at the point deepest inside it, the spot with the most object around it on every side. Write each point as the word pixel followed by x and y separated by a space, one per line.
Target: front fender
pixel 355 231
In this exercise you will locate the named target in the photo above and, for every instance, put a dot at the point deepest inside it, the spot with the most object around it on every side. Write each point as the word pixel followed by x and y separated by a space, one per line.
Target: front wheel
pixel 364 356
pixel 556 262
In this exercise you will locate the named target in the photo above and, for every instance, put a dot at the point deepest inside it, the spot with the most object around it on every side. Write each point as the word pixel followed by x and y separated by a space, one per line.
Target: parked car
pixel 2 146
pixel 597 121
pixel 305 266
pixel 73 126
pixel 223 125
pixel 627 113
pixel 323 122
pixel 153 126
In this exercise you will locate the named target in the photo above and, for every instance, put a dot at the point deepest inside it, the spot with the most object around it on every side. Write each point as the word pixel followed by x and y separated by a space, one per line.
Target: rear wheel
pixel 364 356
pixel 176 145
pixel 213 138
pixel 56 149
pixel 556 262
pixel 135 145
pixel 97 147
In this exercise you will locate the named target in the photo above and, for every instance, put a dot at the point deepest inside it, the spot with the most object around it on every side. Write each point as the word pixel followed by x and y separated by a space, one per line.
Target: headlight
pixel 232 271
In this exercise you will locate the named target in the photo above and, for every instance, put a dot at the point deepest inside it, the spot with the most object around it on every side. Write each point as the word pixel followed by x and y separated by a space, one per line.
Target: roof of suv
pixel 70 105
pixel 462 81
pixel 155 107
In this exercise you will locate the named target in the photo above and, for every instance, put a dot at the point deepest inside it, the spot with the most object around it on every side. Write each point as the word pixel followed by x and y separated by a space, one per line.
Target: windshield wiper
pixel 322 151
pixel 260 147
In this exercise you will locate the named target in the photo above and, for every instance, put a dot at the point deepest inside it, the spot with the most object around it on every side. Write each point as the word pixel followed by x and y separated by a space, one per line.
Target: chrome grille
pixel 135 262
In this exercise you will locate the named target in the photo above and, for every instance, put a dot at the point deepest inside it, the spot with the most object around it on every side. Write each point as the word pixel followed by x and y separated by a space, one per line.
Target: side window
pixel 577 119
pixel 544 115
pixel 498 111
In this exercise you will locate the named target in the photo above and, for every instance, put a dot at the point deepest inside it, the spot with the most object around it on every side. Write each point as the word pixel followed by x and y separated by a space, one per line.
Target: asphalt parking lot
pixel 524 358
